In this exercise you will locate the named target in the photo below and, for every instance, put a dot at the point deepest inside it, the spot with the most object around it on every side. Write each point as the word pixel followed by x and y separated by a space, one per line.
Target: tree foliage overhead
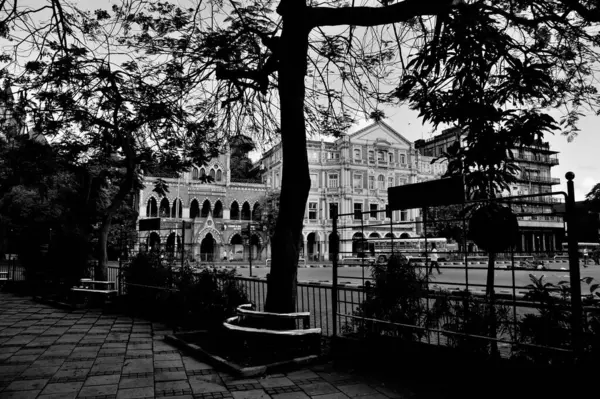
pixel 116 111
pixel 593 197
pixel 497 70
pixel 494 68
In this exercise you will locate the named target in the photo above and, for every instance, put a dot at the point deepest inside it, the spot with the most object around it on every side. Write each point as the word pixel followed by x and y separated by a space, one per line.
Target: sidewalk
pixel 53 353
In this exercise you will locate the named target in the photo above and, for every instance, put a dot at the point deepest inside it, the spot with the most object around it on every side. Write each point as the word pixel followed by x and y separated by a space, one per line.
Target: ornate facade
pixel 217 214
pixel 353 174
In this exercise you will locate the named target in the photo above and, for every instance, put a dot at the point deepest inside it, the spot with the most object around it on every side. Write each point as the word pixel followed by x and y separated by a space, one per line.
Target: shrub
pixel 185 298
pixel 149 286
pixel 211 297
pixel 396 296
pixel 466 317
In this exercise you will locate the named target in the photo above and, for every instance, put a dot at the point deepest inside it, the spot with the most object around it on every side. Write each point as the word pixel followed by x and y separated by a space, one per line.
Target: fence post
pixel 118 278
pixel 334 278
pixel 182 242
pixel 576 311
pixel 249 249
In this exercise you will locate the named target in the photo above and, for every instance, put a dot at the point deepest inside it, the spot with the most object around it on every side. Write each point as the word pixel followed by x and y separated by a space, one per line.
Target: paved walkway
pixel 53 353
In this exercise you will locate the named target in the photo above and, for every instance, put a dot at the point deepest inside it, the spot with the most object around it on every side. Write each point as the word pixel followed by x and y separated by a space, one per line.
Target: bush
pixel 211 297
pixel 53 271
pixel 184 298
pixel 149 286
pixel 468 317
pixel 396 296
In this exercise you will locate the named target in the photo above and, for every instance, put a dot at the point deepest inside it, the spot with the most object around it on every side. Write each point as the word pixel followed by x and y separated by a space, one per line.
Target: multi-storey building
pixel 351 175
pixel 218 214
pixel 539 232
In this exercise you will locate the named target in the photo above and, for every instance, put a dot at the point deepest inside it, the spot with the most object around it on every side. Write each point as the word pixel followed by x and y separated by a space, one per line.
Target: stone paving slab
pixel 50 353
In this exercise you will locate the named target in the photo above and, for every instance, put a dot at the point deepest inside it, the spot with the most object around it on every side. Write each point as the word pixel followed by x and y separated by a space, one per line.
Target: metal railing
pixel 551 160
pixel 13 270
pixel 539 179
pixel 509 287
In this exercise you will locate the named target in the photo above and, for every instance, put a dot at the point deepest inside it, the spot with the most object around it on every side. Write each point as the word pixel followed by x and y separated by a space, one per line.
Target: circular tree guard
pixel 494 228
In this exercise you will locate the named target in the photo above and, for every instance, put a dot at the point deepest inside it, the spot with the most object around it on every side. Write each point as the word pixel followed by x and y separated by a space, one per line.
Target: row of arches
pixel 235 213
pixel 209 248
pixel 165 210
pixel 377 235
pixel 175 210
pixel 215 173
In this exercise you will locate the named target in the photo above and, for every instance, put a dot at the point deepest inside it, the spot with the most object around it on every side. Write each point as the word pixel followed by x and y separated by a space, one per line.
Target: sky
pixel 581 156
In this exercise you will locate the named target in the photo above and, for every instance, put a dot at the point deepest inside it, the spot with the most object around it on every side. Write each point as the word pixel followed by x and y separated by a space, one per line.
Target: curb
pixel 233 367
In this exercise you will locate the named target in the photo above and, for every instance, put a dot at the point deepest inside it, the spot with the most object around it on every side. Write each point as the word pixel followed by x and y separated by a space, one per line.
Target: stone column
pixel 304 247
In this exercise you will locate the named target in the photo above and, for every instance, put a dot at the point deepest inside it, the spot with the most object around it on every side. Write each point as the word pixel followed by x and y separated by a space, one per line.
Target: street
pixel 451 277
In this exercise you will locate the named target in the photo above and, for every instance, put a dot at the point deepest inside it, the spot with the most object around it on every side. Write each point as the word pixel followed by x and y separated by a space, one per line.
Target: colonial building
pixel 540 231
pixel 352 175
pixel 218 215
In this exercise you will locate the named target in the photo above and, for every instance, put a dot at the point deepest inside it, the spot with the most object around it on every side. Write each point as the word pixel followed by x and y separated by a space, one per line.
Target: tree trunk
pixel 101 269
pixel 293 47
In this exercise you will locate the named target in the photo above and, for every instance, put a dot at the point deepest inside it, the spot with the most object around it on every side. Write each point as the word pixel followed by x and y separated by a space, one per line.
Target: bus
pixel 382 248
pixel 592 248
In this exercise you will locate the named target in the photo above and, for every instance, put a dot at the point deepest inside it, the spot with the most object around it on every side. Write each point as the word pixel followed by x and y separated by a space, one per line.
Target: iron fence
pixel 370 238
pixel 12 269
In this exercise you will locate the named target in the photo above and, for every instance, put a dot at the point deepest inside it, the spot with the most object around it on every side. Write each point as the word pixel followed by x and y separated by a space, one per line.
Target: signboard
pixel 446 191
pixel 150 224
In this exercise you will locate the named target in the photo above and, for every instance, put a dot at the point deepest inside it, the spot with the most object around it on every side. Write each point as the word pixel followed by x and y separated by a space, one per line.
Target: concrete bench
pixel 249 326
pixel 246 314
pixel 96 285
pixel 90 290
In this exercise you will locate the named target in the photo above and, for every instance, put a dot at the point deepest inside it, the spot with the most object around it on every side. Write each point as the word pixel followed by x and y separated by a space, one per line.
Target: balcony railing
pixel 540 159
pixel 535 200
pixel 540 179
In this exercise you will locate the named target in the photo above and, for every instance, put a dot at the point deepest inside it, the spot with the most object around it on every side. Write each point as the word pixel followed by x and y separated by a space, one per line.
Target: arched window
pixel 202 172
pixel 194 209
pixel 246 211
pixel 357 154
pixel 218 210
pixel 164 209
pixel 256 212
pixel 371 156
pixel 380 182
pixel 151 208
pixel 205 209
pixel 219 175
pixel 212 174
pixel 177 210
pixel 195 174
pixel 234 213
